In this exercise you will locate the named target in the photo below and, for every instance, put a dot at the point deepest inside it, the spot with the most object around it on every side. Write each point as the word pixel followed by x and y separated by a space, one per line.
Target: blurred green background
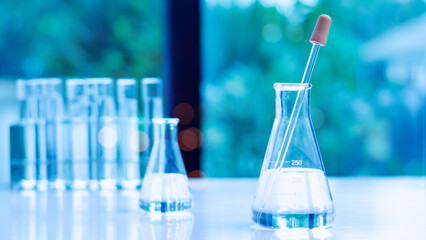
pixel 81 38
pixel 369 84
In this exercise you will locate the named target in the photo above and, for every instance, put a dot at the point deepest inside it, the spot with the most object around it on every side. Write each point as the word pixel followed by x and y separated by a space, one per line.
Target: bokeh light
pixel 108 137
pixel 139 141
pixel 272 32
pixel 190 139
pixel 184 112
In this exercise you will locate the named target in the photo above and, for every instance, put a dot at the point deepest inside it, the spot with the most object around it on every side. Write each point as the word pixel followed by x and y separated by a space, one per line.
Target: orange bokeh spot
pixel 196 174
pixel 189 139
pixel 184 112
pixel 197 132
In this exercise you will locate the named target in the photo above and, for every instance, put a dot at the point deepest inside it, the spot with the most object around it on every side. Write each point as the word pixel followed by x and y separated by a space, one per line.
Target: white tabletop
pixel 367 208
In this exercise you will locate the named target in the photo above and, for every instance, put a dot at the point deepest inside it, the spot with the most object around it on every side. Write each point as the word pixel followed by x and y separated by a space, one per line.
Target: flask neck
pixel 165 131
pixel 165 156
pixel 285 99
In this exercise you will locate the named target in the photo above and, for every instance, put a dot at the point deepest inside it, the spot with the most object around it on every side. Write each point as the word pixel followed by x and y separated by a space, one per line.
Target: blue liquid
pixel 171 206
pixel 23 156
pixel 308 220
pixel 293 198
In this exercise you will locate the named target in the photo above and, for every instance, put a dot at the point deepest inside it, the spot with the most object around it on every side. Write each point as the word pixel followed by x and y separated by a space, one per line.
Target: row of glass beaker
pixel 86 136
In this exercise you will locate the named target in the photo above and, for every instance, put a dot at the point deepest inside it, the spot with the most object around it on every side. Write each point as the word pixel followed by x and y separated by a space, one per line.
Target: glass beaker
pixel 165 186
pixel 293 190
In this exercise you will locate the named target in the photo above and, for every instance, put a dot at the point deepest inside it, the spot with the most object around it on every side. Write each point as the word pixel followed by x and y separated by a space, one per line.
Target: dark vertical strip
pixel 423 139
pixel 182 67
pixel 423 124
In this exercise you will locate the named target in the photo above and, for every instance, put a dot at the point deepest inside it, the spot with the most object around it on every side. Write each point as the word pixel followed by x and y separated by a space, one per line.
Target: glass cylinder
pixel 26 91
pixel 50 131
pixel 23 153
pixel 152 107
pixel 129 147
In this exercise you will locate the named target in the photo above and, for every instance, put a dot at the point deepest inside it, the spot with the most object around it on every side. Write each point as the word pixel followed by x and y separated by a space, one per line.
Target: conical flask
pixel 165 186
pixel 293 190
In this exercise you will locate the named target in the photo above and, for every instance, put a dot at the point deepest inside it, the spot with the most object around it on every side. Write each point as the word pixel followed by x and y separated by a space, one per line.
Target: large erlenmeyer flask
pixel 293 191
pixel 165 185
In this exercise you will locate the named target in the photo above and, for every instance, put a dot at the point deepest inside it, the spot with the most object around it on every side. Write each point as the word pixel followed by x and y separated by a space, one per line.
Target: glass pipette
pixel 318 39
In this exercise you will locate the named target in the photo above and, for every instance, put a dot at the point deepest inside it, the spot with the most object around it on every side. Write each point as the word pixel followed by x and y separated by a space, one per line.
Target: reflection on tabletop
pixel 169 226
pixel 63 215
pixel 91 215
pixel 293 234
pixel 75 215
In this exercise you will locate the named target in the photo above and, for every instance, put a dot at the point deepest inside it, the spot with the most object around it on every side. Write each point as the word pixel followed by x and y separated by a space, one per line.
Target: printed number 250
pixel 296 162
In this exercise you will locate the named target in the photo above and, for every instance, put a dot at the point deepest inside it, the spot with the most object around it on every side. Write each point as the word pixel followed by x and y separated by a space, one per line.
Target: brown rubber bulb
pixel 319 36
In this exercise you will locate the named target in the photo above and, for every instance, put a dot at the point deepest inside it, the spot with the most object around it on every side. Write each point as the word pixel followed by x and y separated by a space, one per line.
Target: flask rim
pixel 165 120
pixel 292 86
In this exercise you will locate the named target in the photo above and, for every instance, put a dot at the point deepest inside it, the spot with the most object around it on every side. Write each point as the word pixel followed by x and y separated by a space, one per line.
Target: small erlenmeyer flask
pixel 293 190
pixel 165 185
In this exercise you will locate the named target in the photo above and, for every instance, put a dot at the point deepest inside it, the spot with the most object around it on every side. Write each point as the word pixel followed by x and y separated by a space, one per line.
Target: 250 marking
pixel 296 162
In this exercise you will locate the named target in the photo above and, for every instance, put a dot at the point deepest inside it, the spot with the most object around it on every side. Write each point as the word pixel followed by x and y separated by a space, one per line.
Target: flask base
pixel 292 220
pixel 169 206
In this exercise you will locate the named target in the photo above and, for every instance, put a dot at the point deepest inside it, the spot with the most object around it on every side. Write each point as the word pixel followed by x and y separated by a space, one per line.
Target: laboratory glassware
pixel 165 185
pixel 49 132
pixel 80 109
pixel 129 173
pixel 92 133
pixel 23 153
pixel 26 91
pixel 36 135
pixel 152 107
pixel 106 134
pixel 293 191
pixel 318 39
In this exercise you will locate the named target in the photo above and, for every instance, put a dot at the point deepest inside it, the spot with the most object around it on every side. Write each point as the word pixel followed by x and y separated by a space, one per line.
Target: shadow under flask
pixel 165 186
pixel 293 190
